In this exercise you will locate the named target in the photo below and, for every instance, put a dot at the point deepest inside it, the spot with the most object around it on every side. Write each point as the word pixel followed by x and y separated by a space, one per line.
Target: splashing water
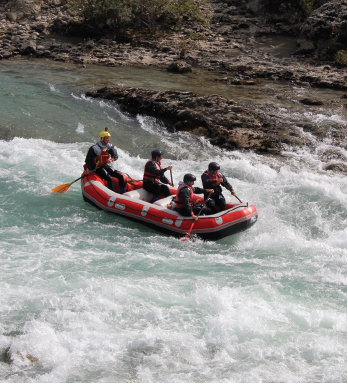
pixel 87 296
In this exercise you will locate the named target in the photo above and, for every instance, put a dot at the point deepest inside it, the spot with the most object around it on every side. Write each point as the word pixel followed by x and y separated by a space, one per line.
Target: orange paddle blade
pixel 61 188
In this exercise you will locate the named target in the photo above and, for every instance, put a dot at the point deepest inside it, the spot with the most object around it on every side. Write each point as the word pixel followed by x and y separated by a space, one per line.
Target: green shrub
pixel 138 13
pixel 341 57
pixel 104 13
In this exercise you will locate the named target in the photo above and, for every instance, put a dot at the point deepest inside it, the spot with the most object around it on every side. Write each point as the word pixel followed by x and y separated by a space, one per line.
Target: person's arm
pixel 184 196
pixel 198 190
pixel 227 185
pixel 113 153
pixel 164 180
pixel 208 183
pixel 151 168
pixel 90 163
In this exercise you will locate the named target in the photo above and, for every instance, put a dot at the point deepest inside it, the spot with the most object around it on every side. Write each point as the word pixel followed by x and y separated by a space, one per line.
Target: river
pixel 87 296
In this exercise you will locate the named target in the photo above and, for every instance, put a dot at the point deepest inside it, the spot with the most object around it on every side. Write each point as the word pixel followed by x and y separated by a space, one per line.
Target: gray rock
pixel 318 30
pixel 28 47
pixel 12 16
pixel 179 67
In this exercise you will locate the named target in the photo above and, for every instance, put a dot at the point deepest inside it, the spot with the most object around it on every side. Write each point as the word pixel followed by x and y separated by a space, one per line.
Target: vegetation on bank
pixel 115 14
pixel 156 16
pixel 341 57
pixel 296 10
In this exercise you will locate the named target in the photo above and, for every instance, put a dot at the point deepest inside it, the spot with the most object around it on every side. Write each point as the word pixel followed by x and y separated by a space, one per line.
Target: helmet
pixel 189 177
pixel 104 133
pixel 156 153
pixel 213 166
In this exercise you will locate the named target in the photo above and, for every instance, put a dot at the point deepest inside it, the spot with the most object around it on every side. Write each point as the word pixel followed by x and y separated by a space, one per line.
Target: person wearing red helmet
pixel 154 180
pixel 212 178
pixel 98 158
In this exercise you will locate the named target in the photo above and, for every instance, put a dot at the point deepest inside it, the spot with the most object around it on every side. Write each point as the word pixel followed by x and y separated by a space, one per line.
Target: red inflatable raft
pixel 137 204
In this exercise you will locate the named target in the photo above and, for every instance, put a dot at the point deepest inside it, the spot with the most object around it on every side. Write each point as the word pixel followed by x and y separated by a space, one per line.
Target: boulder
pixel 326 22
pixel 12 16
pixel 28 47
pixel 179 67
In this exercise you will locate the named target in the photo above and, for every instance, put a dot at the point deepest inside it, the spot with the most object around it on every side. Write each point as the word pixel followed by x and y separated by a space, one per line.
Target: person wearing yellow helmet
pixel 98 158
pixel 103 134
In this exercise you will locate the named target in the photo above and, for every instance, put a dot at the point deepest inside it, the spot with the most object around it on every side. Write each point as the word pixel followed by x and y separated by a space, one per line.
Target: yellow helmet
pixel 104 133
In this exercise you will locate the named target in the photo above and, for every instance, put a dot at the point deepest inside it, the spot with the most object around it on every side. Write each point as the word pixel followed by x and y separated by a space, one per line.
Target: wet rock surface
pixel 225 122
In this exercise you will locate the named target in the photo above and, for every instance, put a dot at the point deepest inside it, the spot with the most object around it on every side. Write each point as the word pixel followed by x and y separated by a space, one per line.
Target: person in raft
pixel 212 178
pixel 98 158
pixel 184 198
pixel 154 180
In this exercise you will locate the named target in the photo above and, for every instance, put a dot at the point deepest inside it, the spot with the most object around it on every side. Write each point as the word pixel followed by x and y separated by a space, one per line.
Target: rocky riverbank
pixel 237 46
pixel 238 43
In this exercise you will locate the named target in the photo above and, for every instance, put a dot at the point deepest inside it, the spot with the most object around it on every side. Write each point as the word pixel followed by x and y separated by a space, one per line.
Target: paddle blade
pixel 61 188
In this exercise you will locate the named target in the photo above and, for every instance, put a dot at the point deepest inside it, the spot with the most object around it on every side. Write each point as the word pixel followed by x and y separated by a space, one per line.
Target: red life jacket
pixel 212 177
pixel 150 176
pixel 178 201
pixel 102 158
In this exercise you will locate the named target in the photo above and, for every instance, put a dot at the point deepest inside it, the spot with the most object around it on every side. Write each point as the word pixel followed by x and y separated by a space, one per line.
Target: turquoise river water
pixel 87 296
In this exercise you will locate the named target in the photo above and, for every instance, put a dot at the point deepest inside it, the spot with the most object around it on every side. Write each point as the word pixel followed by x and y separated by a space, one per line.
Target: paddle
pixel 233 195
pixel 238 198
pixel 194 221
pixel 64 187
pixel 171 176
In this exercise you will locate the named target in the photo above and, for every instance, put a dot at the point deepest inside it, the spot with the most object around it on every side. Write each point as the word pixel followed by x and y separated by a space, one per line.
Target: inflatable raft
pixel 138 204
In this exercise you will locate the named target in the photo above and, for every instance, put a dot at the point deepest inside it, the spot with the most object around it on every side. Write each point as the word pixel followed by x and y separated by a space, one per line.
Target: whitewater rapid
pixel 87 296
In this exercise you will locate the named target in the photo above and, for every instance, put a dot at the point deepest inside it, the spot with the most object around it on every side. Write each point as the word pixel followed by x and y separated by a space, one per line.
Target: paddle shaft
pixel 233 195
pixel 197 215
pixel 65 187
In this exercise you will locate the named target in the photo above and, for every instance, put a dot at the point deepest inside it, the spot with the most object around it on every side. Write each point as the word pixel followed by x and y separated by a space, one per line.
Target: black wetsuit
pixel 152 174
pixel 188 207
pixel 217 197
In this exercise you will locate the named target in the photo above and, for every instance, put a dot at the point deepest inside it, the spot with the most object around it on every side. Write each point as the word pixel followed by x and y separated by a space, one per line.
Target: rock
pixel 221 120
pixel 224 45
pixel 11 355
pixel 28 47
pixel 326 22
pixel 305 45
pixel 336 168
pixel 309 101
pixel 179 67
pixel 12 16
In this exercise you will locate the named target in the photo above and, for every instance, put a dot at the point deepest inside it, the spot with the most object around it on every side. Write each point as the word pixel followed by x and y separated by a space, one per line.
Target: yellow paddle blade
pixel 62 188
